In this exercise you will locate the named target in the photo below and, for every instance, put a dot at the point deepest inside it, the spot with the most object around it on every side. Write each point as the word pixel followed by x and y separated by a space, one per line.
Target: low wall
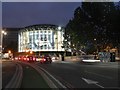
pixel 72 58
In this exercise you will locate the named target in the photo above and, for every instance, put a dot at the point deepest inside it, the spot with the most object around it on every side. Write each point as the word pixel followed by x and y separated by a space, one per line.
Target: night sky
pixel 22 14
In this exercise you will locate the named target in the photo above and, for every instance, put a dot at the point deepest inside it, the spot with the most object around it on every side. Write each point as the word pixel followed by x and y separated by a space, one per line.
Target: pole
pixel 1 34
pixel 1 41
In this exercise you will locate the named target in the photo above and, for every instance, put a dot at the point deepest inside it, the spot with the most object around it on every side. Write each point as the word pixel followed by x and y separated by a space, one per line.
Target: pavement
pixel 76 59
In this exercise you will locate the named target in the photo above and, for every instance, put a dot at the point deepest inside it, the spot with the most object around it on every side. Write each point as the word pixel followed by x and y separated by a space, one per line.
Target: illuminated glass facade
pixel 43 37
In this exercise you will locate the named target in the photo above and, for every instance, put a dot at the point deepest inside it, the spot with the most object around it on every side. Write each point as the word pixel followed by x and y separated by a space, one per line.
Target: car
pixel 45 59
pixel 16 58
pixel 54 58
pixel 89 58
pixel 24 58
pixel 38 58
pixel 30 58
pixel 20 58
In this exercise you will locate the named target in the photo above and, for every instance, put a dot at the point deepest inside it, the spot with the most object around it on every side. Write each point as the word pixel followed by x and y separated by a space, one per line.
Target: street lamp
pixel 9 52
pixel 95 40
pixel 1 34
pixel 59 28
pixel 31 52
pixel 65 46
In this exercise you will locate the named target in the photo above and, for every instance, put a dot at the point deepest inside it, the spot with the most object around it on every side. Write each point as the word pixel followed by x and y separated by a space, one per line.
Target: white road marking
pixel 92 82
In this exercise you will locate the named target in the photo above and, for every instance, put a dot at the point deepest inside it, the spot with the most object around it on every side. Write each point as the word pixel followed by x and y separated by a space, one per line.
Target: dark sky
pixel 21 14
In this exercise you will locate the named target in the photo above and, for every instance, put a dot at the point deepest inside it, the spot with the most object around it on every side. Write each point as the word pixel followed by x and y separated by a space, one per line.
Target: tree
pixel 94 20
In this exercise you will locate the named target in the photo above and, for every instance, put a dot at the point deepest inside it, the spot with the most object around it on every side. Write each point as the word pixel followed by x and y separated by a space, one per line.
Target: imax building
pixel 41 38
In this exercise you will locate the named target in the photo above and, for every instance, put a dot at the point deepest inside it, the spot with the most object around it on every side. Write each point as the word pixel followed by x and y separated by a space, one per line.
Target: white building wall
pixel 36 44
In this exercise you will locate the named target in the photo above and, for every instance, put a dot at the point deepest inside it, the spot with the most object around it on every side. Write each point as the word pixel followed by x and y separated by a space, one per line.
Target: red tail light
pixel 24 58
pixel 16 58
pixel 27 59
pixel 34 59
pixel 44 59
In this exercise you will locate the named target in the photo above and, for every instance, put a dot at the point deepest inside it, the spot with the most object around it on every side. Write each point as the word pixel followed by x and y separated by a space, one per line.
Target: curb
pixel 58 82
pixel 45 77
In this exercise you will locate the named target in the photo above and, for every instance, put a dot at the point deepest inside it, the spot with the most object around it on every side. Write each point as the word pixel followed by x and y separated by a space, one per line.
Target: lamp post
pixel 59 28
pixel 96 46
pixel 1 34
pixel 9 52
pixel 65 46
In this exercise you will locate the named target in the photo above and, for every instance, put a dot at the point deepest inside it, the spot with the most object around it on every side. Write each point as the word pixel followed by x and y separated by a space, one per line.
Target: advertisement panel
pixel 104 56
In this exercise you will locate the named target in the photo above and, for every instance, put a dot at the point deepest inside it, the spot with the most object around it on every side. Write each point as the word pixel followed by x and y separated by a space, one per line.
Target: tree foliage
pixel 93 20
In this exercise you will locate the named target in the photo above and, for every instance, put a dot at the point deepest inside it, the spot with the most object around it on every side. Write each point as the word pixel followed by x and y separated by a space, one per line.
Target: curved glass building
pixel 42 37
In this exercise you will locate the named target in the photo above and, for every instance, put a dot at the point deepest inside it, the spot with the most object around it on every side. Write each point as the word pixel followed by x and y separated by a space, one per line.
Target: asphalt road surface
pixel 0 74
pixel 85 75
pixel 8 70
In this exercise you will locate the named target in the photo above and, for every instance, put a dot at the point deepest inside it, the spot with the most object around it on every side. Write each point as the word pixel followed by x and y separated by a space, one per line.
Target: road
pixel 0 74
pixel 8 70
pixel 71 74
pixel 84 75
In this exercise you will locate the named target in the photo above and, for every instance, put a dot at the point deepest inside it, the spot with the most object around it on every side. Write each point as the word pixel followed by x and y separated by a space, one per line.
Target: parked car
pixel 45 59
